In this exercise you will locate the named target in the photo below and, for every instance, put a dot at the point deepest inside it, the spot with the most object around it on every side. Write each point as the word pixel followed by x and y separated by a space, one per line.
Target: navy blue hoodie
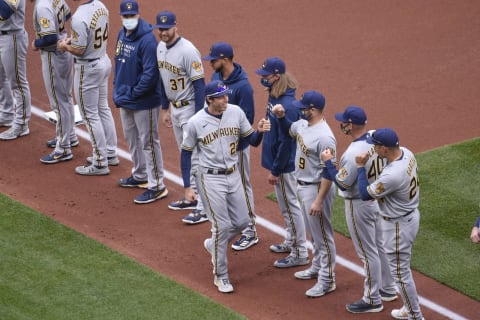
pixel 278 149
pixel 137 84
pixel 241 95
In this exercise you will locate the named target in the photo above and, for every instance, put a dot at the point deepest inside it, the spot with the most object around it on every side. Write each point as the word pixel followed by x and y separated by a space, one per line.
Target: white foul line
pixel 273 227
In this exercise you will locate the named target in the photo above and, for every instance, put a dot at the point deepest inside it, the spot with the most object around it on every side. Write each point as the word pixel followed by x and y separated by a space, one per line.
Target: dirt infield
pixel 413 65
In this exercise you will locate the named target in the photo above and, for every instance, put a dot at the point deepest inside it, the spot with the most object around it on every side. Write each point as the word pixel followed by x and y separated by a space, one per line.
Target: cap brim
pixel 220 94
pixel 124 13
pixel 339 117
pixel 210 58
pixel 163 26
pixel 262 72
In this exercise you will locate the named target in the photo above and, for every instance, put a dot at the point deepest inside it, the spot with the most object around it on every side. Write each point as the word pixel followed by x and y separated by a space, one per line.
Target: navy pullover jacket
pixel 137 84
pixel 241 95
pixel 278 149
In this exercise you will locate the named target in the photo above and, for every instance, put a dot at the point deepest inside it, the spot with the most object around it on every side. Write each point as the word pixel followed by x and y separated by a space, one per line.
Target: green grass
pixel 449 205
pixel 48 271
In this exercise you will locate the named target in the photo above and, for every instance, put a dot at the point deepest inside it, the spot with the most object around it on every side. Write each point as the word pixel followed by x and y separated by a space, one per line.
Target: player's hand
pixel 326 154
pixel 316 208
pixel 190 195
pixel 278 110
pixel 362 159
pixel 167 118
pixel 264 125
pixel 475 236
pixel 272 179
pixel 62 45
pixel 33 46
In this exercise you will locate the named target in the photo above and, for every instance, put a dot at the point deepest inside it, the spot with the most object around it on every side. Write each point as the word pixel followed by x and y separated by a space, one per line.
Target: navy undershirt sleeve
pixel 363 184
pixel 199 88
pixel 5 10
pixel 186 166
pixel 46 41
pixel 477 224
pixel 255 138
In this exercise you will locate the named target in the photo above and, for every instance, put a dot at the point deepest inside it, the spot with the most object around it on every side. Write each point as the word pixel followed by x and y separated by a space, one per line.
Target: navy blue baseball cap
pixel 219 50
pixel 352 114
pixel 128 7
pixel 166 20
pixel 272 65
pixel 384 137
pixel 310 99
pixel 216 89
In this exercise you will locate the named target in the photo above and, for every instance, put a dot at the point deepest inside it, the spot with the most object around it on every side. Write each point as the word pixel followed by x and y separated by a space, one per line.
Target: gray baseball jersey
pixel 179 65
pixel 311 141
pixel 397 191
pixel 397 187
pixel 364 221
pixel 90 30
pixel 49 18
pixel 92 69
pixel 216 140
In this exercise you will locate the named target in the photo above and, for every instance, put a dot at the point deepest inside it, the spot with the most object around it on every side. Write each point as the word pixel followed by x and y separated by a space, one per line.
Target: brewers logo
pixel 380 188
pixel 74 36
pixel 197 66
pixel 45 23
pixel 343 173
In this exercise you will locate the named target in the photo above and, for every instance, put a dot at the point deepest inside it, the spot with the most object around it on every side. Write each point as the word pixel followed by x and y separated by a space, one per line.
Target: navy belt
pixel 305 183
pixel 221 171
pixel 392 219
pixel 180 103
pixel 4 32
pixel 85 60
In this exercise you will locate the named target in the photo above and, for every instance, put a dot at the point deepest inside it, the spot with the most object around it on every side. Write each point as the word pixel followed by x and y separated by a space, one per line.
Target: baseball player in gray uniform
pixel 215 132
pixel 88 43
pixel 13 52
pixel 183 78
pixel 49 19
pixel 397 192
pixel 315 193
pixel 363 217
pixel 6 100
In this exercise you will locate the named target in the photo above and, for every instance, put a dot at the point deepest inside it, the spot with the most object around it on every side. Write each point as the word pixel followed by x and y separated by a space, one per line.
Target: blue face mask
pixel 130 23
pixel 265 83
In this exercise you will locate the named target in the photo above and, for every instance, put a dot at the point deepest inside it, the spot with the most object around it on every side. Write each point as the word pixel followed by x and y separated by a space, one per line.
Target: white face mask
pixel 130 23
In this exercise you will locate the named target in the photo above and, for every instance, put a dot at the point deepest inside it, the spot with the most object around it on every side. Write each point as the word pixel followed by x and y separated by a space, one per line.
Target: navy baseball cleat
pixel 55 157
pixel 361 306
pixel 244 242
pixel 182 205
pixel 195 217
pixel 131 182
pixel 151 195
